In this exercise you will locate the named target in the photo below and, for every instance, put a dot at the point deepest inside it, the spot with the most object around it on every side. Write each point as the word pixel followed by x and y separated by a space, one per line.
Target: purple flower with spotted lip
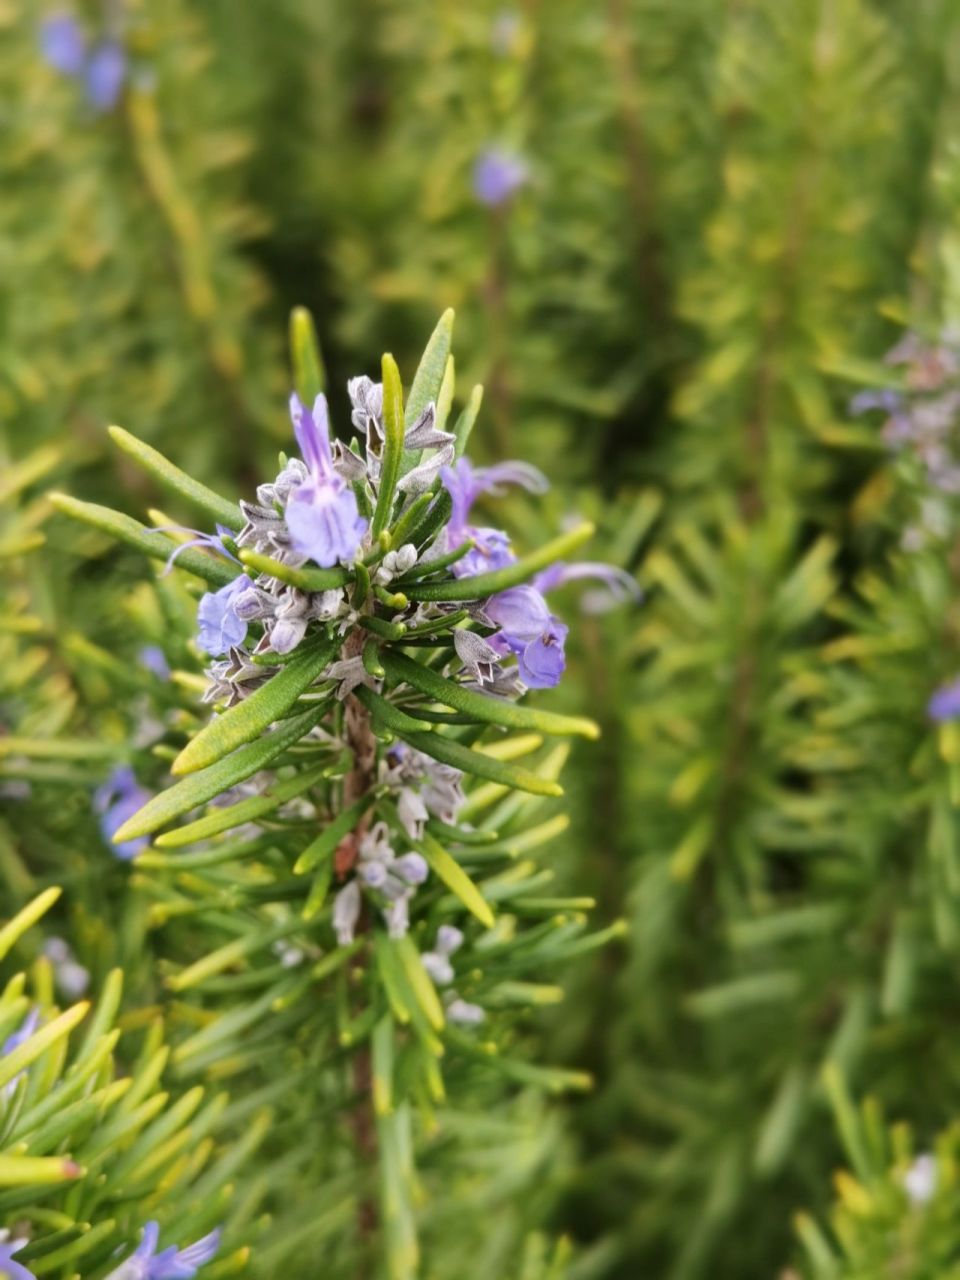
pixel 498 174
pixel 322 515
pixel 945 703
pixel 62 44
pixel 118 799
pixel 220 627
pixel 171 1264
pixel 529 630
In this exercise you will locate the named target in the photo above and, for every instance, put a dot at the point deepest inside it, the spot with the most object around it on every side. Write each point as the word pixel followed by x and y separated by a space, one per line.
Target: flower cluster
pixel 922 414
pixel 311 515
pixel 100 68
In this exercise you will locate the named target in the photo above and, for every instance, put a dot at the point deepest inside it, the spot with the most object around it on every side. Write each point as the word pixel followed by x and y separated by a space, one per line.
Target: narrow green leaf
pixel 305 579
pixel 420 982
pixel 447 869
pixel 203 786
pixel 24 1171
pixel 428 379
pixel 230 953
pixel 474 762
pixel 12 1063
pixel 328 839
pixel 387 714
pixel 371 659
pixel 248 719
pixel 478 705
pixel 426 567
pixel 235 815
pixel 26 918
pixel 309 375
pixel 465 422
pixel 155 545
pixel 382 1052
pixel 220 509
pixel 392 444
pixel 391 975
pixel 414 513
pixel 444 402
pixel 436 517
pixel 482 585
pixel 381 627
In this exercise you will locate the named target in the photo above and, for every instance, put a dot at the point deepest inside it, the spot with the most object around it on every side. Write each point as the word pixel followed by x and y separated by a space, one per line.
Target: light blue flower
pixel 171 1264
pixel 118 799
pixel 322 516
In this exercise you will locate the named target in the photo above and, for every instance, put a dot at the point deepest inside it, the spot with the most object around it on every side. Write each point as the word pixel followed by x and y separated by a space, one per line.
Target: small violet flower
pixel 221 628
pixel 120 797
pixel 498 174
pixel 171 1263
pixel 465 483
pixel 945 703
pixel 618 586
pixel 154 660
pixel 62 44
pixel 529 630
pixel 920 1180
pixel 322 515
pixel 10 1269
pixel 102 69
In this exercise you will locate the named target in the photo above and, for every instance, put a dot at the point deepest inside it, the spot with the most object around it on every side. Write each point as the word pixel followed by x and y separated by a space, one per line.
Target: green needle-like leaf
pixel 464 423
pixel 428 379
pixel 309 375
pixel 479 765
pixel 481 707
pixel 25 919
pixel 171 477
pixel 482 585
pixel 248 719
pixel 25 1171
pixel 392 444
pixel 387 714
pixel 125 529
pixel 330 837
pixel 305 579
pixel 235 815
pixel 203 786
pixel 13 1062
pixel 447 869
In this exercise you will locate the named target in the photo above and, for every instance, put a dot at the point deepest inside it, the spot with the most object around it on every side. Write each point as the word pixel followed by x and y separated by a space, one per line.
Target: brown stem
pixel 359 780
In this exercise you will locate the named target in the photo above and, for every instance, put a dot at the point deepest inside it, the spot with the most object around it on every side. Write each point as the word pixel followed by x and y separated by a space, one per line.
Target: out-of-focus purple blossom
pixel 491 550
pixel 10 1269
pixel 220 628
pixel 884 398
pixel 322 516
pixel 532 632
pixel 498 174
pixel 14 1041
pixel 104 75
pixel 71 977
pixel 62 44
pixel 170 1264
pixel 618 586
pixel 504 31
pixel 945 703
pixel 118 799
pixel 155 660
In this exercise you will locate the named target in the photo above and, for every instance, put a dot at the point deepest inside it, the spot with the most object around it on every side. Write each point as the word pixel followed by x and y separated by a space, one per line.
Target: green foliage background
pixel 733 211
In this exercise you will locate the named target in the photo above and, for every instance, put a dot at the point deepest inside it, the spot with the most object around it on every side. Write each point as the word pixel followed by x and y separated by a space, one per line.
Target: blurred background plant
pixel 681 237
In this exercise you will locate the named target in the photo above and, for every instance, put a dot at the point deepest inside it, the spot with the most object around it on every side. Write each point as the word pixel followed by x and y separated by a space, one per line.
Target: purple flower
pixel 532 632
pixel 62 44
pixel 14 1041
pixel 945 703
pixel 120 797
pixel 322 515
pixel 104 75
pixel 212 542
pixel 10 1269
pixel 171 1264
pixel 220 627
pixel 885 398
pixel 618 585
pixel 497 174
pixel 465 483
pixel 491 550
pixel 155 660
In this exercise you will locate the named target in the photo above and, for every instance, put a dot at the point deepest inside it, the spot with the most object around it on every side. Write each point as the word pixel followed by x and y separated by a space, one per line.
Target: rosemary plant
pixel 352 825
